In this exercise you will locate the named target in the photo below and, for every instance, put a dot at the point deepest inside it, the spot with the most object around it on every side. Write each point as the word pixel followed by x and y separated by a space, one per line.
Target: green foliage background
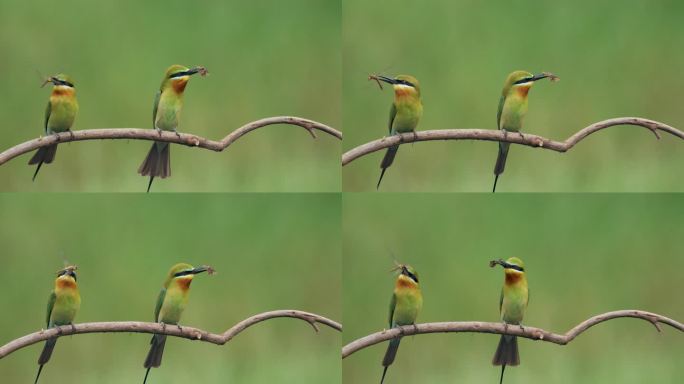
pixel 584 255
pixel 265 58
pixel 614 59
pixel 270 251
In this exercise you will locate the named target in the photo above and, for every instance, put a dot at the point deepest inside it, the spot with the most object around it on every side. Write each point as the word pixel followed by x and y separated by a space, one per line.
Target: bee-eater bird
pixel 512 306
pixel 62 306
pixel 512 110
pixel 171 303
pixel 407 301
pixel 404 115
pixel 59 116
pixel 168 103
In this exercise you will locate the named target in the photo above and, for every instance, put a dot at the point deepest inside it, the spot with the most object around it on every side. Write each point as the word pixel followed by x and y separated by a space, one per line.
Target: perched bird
pixel 171 303
pixel 407 301
pixel 405 112
pixel 59 116
pixel 512 306
pixel 62 306
pixel 512 110
pixel 168 103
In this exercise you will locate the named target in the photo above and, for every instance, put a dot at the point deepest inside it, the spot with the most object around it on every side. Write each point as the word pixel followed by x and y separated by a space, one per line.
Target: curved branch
pixel 171 330
pixel 500 328
pixel 510 137
pixel 171 137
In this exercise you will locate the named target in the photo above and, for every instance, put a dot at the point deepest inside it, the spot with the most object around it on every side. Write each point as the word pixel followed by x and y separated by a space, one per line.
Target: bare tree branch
pixel 510 137
pixel 171 330
pixel 171 137
pixel 500 328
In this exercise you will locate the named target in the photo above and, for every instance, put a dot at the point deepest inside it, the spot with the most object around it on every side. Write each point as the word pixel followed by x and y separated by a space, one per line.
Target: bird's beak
pixel 203 268
pixel 201 70
pixel 386 79
pixel 499 262
pixel 540 76
pixel 50 79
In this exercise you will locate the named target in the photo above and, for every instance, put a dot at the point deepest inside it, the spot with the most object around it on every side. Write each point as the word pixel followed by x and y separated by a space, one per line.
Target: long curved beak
pixel 201 70
pixel 203 268
pixel 500 262
pixel 386 79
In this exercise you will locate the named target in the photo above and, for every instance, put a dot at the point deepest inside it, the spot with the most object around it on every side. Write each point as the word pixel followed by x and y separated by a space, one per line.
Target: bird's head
pixel 183 273
pixel 177 76
pixel 404 85
pixel 522 81
pixel 514 268
pixel 66 277
pixel 407 275
pixel 60 81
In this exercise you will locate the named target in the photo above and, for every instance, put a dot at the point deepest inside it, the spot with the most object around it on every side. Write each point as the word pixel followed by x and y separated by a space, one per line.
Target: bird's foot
pixel 56 136
pixel 73 327
pixel 159 131
pixel 505 327
pixel 163 326
pixel 521 327
pixel 180 329
pixel 71 133
pixel 177 134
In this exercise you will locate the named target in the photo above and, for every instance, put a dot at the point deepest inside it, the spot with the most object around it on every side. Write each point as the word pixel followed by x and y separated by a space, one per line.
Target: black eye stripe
pixel 179 74
pixel 525 80
pixel 517 268
pixel 182 273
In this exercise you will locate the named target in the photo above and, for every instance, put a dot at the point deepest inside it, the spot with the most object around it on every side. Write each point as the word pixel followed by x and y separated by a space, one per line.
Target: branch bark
pixel 510 137
pixel 171 137
pixel 171 330
pixel 525 331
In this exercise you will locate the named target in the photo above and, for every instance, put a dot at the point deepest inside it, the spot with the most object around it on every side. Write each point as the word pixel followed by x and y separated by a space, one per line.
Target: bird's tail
pixel 45 355
pixel 389 356
pixel 387 161
pixel 506 353
pixel 43 155
pixel 157 163
pixel 500 162
pixel 154 356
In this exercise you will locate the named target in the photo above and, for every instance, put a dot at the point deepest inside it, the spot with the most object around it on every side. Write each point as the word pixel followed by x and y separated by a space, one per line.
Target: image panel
pixel 448 65
pixel 267 252
pixel 227 64
pixel 578 256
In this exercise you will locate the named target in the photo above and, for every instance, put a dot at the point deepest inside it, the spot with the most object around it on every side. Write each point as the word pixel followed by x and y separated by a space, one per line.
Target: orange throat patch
pixel 179 85
pixel 523 90
pixel 62 91
pixel 184 283
pixel 404 282
pixel 513 277
pixel 66 284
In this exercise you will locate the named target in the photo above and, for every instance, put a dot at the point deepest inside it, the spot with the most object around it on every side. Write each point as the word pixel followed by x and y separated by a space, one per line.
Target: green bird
pixel 168 103
pixel 171 303
pixel 406 303
pixel 512 110
pixel 59 116
pixel 512 306
pixel 405 113
pixel 63 304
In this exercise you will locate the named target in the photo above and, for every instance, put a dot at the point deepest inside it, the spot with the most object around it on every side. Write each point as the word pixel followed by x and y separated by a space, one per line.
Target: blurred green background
pixel 584 255
pixel 270 252
pixel 614 59
pixel 265 58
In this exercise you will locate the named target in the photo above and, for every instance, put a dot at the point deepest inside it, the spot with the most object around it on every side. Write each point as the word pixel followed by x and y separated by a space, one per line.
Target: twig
pixel 171 330
pixel 171 137
pixel 510 137
pixel 500 328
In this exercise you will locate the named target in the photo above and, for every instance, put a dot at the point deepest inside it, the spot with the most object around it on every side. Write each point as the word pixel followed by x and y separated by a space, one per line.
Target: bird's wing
pixel 498 113
pixel 48 110
pixel 51 304
pixel 501 300
pixel 160 301
pixel 156 105
pixel 393 113
pixel 393 303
